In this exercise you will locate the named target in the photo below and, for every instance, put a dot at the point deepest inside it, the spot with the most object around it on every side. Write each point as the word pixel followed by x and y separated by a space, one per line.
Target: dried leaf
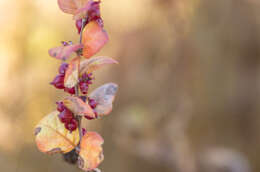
pixel 78 106
pixel 94 38
pixel 72 73
pixel 91 152
pixel 64 52
pixel 82 12
pixel 71 6
pixel 78 8
pixel 80 3
pixel 92 64
pixel 104 96
pixel 53 137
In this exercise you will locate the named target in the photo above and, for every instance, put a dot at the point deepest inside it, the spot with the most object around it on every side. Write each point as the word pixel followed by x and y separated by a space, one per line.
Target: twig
pixel 79 118
pixel 82 27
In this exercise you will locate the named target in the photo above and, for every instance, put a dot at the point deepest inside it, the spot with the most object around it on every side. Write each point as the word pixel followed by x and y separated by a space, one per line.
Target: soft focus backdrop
pixel 189 84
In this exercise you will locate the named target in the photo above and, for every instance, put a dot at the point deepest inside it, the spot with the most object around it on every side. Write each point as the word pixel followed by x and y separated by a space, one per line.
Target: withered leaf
pixel 91 152
pixel 82 12
pixel 71 6
pixel 104 96
pixel 64 52
pixel 92 64
pixel 78 106
pixel 72 73
pixel 52 137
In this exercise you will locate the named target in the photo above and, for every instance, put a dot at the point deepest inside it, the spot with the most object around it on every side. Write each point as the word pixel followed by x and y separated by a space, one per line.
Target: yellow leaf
pixel 53 137
pixel 72 73
pixel 91 152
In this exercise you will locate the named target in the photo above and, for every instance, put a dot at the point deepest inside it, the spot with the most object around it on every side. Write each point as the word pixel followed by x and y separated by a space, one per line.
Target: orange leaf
pixel 78 106
pixel 91 152
pixel 53 137
pixel 71 6
pixel 104 96
pixel 94 38
pixel 64 52
pixel 92 64
pixel 72 73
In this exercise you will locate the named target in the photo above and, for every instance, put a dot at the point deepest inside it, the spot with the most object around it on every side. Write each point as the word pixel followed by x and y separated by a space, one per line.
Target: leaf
pixel 80 3
pixel 71 6
pixel 72 73
pixel 78 106
pixel 94 38
pixel 92 64
pixel 67 6
pixel 91 152
pixel 82 12
pixel 52 137
pixel 104 96
pixel 80 8
pixel 64 52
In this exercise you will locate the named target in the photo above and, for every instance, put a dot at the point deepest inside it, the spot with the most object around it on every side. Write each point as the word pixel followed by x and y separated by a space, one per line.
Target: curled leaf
pixel 78 106
pixel 91 152
pixel 52 137
pixel 72 73
pixel 94 38
pixel 64 52
pixel 104 96
pixel 92 64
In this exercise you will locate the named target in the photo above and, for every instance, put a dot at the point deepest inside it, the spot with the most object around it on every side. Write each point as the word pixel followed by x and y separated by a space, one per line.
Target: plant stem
pixel 81 30
pixel 79 118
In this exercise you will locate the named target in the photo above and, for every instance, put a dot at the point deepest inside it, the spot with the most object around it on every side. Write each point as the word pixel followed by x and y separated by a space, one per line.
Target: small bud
pixel 63 67
pixel 60 106
pixel 92 103
pixel 58 82
pixel 72 125
pixel 89 118
pixel 83 87
pixel 70 90
pixel 79 25
pixel 83 131
pixel 84 98
pixel 64 43
pixel 66 116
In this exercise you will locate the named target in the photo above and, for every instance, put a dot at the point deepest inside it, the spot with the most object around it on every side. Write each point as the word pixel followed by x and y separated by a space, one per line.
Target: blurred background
pixel 189 84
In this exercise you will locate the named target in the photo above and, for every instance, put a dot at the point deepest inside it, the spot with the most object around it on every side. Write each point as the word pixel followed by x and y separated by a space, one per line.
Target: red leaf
pixel 94 38
pixel 104 96
pixel 64 52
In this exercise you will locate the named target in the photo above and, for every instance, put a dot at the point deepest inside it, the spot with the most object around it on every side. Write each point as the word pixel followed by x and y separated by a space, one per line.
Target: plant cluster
pixel 61 130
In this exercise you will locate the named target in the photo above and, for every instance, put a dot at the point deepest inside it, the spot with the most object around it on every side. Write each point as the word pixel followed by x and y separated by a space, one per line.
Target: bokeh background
pixel 189 82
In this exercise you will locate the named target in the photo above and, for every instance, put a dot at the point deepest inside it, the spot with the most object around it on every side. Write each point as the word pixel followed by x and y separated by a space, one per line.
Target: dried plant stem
pixel 82 27
pixel 79 118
